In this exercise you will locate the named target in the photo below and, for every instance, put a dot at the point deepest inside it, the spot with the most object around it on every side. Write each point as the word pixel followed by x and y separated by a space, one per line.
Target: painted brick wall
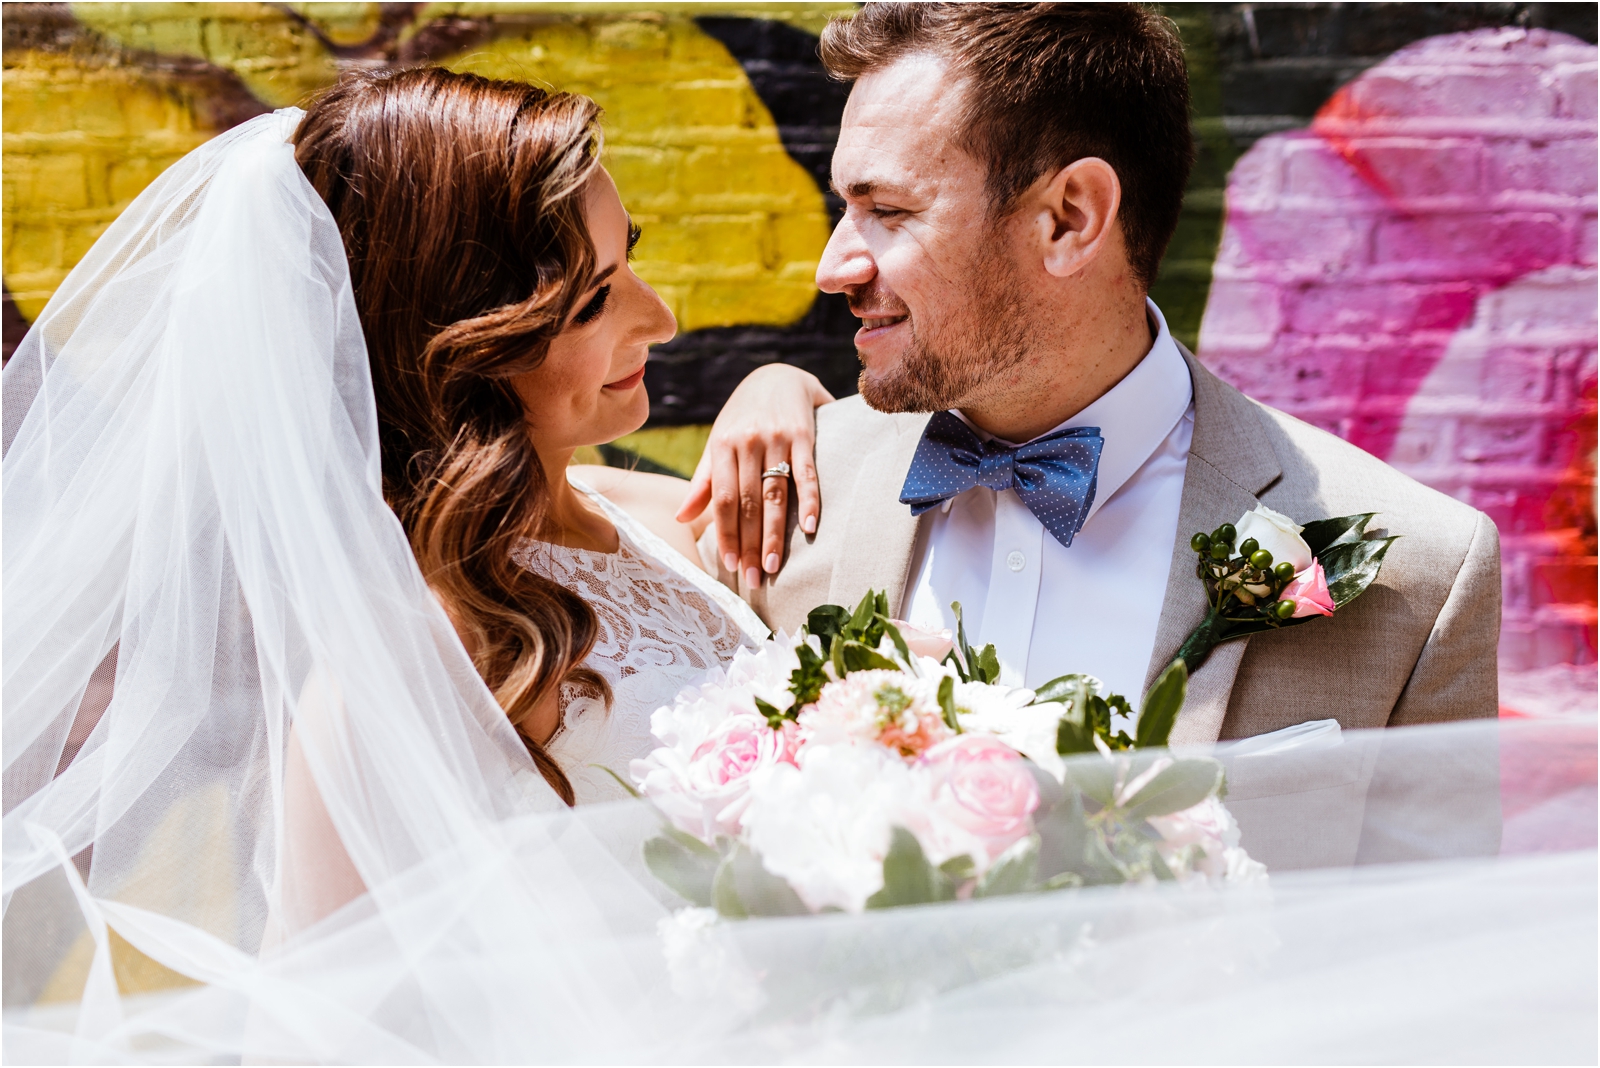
pixel 1415 271
pixel 1399 219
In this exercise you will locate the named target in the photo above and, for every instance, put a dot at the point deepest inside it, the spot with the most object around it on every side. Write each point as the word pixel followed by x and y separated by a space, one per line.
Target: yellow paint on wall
pixel 733 226
pixel 81 140
pixel 279 60
pixel 675 447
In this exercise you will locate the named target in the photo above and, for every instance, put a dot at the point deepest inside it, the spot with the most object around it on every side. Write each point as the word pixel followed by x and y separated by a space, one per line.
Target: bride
pixel 505 329
pixel 309 635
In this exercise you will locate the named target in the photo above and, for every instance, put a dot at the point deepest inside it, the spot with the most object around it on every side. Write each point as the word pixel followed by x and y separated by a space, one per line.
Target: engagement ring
pixel 780 471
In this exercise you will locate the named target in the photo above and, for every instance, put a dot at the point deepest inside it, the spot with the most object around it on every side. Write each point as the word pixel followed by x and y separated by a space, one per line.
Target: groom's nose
pixel 847 262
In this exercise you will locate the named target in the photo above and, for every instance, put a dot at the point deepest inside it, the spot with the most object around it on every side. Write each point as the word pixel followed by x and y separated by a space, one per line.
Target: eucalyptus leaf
pixel 1161 706
pixel 1096 779
pixel 958 869
pixel 988 665
pixel 908 878
pixel 761 892
pixel 1180 785
pixel 1012 872
pixel 1063 688
pixel 725 893
pixel 686 873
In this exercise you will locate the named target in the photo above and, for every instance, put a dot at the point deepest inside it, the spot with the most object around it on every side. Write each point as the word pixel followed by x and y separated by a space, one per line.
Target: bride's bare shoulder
pixel 650 498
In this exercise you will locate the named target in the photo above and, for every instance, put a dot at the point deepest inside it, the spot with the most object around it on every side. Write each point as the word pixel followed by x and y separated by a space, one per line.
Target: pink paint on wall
pixel 1416 273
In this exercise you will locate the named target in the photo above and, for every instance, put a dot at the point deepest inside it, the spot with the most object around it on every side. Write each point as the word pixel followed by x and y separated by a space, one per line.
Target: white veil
pixel 259 805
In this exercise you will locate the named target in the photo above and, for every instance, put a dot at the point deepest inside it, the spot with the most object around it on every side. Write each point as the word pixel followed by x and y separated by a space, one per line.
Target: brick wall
pixel 1400 220
pixel 1415 271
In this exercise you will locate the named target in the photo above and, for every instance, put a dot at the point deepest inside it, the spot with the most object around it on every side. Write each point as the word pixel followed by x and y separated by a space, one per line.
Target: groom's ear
pixel 1074 214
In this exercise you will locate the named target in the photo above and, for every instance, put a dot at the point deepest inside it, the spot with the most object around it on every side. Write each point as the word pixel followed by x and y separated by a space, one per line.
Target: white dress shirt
pixel 1091 608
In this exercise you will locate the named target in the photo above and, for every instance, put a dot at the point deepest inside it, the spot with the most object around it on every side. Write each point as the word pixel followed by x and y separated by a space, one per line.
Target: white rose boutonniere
pixel 1266 571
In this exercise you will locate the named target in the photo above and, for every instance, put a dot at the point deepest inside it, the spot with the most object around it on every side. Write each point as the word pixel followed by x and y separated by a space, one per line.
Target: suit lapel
pixel 881 531
pixel 1230 462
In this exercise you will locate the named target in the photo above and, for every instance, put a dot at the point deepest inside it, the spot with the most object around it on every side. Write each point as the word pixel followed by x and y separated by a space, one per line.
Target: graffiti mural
pixel 1389 231
pixel 1415 271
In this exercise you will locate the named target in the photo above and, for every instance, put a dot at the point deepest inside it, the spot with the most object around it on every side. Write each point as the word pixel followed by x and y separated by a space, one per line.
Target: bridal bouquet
pixel 863 764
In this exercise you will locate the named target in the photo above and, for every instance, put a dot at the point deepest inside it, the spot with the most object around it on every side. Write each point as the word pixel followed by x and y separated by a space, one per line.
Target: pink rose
pixel 935 644
pixel 1309 592
pixel 707 794
pixel 981 798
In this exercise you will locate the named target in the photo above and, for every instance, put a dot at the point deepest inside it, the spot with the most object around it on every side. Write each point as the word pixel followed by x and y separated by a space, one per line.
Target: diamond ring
pixel 780 471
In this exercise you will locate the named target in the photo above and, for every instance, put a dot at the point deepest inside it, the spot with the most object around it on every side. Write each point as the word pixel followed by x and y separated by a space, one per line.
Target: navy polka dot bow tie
pixel 1053 475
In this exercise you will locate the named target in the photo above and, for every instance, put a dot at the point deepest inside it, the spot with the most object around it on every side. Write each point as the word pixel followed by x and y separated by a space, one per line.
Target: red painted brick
pixel 1566 581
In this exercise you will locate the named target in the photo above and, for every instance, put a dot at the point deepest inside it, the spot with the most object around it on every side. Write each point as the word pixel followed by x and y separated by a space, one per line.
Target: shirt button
pixel 1016 561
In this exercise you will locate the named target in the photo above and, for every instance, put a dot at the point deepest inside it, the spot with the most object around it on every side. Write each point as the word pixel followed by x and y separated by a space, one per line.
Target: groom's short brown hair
pixel 1048 84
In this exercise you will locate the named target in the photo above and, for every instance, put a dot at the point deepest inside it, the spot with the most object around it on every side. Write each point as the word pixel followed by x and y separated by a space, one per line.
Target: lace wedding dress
pixel 663 624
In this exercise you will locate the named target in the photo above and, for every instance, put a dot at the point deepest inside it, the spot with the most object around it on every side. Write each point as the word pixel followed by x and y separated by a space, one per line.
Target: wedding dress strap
pixel 654 546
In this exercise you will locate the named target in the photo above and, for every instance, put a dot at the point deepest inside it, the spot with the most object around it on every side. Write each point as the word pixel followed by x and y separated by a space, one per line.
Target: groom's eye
pixel 591 311
pixel 887 213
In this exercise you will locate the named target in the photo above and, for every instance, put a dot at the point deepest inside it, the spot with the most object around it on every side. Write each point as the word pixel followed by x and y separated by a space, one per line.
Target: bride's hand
pixel 767 421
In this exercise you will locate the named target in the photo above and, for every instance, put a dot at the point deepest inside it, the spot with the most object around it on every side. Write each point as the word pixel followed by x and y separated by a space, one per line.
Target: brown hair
pixel 1048 84
pixel 460 203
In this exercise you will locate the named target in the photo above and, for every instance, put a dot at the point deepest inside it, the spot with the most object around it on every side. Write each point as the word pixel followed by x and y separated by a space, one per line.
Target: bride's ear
pixel 1074 213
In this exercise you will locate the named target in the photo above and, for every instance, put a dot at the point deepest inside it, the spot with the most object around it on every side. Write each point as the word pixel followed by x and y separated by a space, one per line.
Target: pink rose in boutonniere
pixel 1309 593
pixel 1266 572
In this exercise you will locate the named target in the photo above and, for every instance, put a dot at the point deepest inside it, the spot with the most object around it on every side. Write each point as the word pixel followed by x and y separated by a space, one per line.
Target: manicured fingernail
pixel 730 561
pixel 772 563
pixel 752 577
pixel 810 524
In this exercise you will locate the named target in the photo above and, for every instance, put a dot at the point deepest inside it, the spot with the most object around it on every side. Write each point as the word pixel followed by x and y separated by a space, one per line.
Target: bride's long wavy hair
pixel 460 203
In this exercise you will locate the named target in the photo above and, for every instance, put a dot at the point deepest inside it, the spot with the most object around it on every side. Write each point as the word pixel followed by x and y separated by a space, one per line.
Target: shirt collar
pixel 1135 415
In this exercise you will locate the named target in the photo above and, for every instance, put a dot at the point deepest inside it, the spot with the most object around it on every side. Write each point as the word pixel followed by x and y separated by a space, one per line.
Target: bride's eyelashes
pixel 597 303
pixel 592 310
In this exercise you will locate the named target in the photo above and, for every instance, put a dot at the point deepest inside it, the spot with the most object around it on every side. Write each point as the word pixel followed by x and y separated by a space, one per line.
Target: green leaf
pixel 864 612
pixel 743 887
pixel 1063 688
pixel 908 878
pixel 624 783
pixel 1012 872
pixel 894 636
pixel 1161 706
pixel 1323 533
pixel 857 657
pixel 1180 785
pixel 773 716
pixel 687 873
pixel 955 661
pixel 947 703
pixel 1353 566
pixel 958 870
pixel 807 680
pixel 988 665
pixel 826 621
pixel 724 894
pixel 1096 779
pixel 969 656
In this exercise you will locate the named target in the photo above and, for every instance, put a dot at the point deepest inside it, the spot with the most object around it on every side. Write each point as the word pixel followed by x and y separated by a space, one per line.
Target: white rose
pixel 1276 533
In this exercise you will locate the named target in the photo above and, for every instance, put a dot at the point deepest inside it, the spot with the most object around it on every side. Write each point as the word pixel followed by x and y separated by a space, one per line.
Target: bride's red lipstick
pixel 629 382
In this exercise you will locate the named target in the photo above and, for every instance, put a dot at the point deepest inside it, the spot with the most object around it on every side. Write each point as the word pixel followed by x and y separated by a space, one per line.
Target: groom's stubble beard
pixel 949 361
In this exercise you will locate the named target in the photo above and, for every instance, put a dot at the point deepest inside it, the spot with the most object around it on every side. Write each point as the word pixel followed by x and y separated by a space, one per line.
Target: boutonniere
pixel 1267 572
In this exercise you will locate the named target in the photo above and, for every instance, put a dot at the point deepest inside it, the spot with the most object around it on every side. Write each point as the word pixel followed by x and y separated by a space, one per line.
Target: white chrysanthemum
pixel 824 828
pixel 1008 715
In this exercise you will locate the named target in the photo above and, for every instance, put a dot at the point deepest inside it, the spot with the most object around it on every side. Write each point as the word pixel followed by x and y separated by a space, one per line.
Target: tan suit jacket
pixel 1419 646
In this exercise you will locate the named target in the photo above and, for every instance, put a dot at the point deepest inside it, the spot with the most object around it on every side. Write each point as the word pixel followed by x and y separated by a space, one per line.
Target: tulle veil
pixel 260 807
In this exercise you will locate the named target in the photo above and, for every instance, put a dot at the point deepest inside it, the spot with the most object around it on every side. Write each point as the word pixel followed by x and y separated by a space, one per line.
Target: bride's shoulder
pixel 650 499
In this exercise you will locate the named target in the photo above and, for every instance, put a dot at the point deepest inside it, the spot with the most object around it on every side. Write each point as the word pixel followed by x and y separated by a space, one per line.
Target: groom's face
pixel 937 282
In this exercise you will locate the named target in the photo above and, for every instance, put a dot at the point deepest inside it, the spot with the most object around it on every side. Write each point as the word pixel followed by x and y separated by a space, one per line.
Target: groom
pixel 1012 175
